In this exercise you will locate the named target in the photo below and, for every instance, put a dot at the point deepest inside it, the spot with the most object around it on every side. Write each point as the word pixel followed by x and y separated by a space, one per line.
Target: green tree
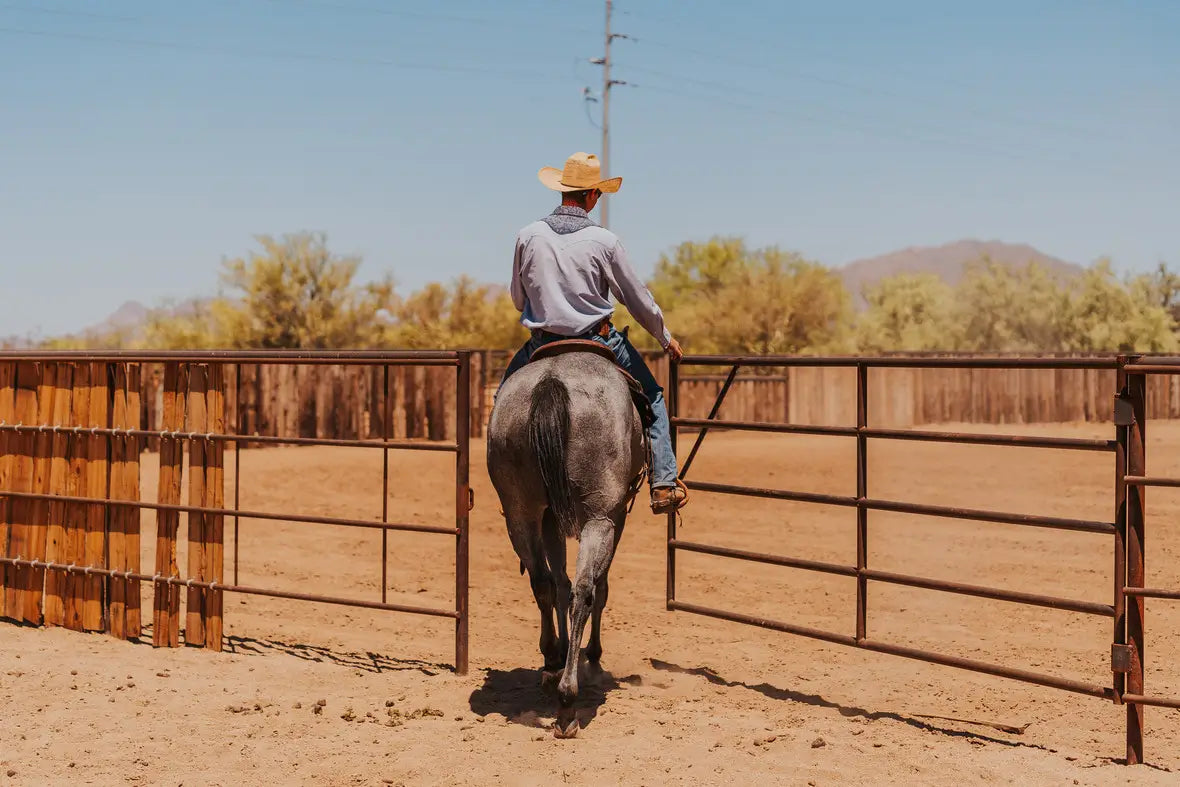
pixel 1108 315
pixel 908 312
pixel 720 297
pixel 296 294
pixel 1002 308
pixel 464 315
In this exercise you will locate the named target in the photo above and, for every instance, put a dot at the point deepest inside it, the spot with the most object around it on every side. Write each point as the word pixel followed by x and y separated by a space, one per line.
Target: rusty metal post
pixel 463 502
pixel 672 402
pixel 1136 392
pixel 385 483
pixel 1120 535
pixel 237 459
pixel 862 493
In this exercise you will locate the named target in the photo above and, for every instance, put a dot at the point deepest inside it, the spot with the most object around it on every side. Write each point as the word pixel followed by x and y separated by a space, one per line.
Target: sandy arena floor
pixel 684 699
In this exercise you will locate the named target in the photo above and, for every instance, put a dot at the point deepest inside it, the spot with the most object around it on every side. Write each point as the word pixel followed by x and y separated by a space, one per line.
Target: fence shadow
pixel 368 661
pixel 522 697
pixel 848 711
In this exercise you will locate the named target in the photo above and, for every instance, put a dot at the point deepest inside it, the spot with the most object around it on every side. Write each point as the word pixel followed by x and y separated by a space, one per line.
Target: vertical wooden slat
pixel 166 606
pixel 8 447
pixel 117 515
pixel 55 545
pixel 76 514
pixel 34 578
pixel 96 488
pixel 19 535
pixel 134 522
pixel 214 497
pixel 123 521
pixel 194 627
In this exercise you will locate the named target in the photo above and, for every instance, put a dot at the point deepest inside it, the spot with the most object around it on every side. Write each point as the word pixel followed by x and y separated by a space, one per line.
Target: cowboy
pixel 565 270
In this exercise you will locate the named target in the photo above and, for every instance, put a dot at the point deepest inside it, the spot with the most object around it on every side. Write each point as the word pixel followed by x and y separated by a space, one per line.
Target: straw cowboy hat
pixel 582 173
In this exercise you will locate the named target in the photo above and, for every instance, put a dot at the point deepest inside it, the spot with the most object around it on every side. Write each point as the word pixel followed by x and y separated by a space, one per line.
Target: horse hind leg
pixel 554 543
pixel 526 542
pixel 594 558
pixel 594 646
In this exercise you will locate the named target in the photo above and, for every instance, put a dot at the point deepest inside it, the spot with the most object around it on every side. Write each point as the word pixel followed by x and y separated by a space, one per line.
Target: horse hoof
pixel 568 731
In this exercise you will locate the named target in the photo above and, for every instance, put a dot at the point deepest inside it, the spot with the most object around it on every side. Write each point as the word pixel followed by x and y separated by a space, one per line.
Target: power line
pixel 402 13
pixel 853 116
pixel 65 12
pixel 795 115
pixel 712 55
pixel 289 55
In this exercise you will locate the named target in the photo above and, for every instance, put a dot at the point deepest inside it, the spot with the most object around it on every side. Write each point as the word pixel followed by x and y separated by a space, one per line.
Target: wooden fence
pixel 348 402
pixel 337 402
pixel 73 428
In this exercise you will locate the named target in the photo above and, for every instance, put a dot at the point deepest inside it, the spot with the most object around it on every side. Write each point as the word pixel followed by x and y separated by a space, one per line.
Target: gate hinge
pixel 1120 658
pixel 470 498
pixel 1124 413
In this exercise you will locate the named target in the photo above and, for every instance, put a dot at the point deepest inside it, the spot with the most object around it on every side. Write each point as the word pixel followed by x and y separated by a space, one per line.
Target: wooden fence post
pixel 166 608
pixel 7 461
pixel 59 471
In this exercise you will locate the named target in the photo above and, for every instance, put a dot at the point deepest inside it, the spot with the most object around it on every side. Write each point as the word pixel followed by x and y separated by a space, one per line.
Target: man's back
pixel 566 268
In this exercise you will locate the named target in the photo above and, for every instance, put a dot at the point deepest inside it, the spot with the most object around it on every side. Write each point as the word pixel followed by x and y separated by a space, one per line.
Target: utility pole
pixel 607 84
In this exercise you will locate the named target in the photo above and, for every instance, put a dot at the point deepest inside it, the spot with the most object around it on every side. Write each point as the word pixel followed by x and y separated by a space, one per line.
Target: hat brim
pixel 551 179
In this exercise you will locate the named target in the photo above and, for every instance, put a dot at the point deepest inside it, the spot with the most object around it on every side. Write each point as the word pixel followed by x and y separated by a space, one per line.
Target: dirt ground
pixel 683 699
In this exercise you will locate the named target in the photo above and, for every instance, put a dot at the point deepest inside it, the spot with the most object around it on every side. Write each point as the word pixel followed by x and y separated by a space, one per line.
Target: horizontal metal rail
pixel 1159 702
pixel 686 424
pixel 218 437
pixel 969 438
pixel 948 512
pixel 293 357
pixel 1152 593
pixel 1051 602
pixel 759 557
pixel 1079 687
pixel 1000 671
pixel 845 501
pixel 232 512
pixel 907 362
pixel 1141 480
pixel 766 623
pixel 1152 368
pixel 1034 599
pixel 1022 441
pixel 997 517
pixel 245 589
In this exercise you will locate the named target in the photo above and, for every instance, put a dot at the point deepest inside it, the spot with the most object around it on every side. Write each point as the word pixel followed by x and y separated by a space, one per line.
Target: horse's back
pixel 604 444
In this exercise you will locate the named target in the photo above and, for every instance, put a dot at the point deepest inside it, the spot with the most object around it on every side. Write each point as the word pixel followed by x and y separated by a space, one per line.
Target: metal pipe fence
pixel 58 439
pixel 1127 527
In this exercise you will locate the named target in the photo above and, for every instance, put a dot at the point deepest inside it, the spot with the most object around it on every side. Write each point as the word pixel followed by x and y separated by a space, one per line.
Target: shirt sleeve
pixel 626 285
pixel 516 287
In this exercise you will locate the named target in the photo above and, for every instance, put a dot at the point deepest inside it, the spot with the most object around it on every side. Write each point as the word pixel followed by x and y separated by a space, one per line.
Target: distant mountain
pixel 948 262
pixel 130 316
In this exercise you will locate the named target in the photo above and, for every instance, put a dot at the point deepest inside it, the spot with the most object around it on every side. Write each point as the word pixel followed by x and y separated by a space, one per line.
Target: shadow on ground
pixel 519 696
pixel 368 661
pixel 789 695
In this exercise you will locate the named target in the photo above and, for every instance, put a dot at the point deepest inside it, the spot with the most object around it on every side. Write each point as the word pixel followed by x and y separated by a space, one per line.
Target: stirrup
pixel 676 500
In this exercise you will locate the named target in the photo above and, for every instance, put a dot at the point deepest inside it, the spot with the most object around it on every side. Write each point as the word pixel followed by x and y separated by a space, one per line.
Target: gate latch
pixel 470 498
pixel 1124 414
pixel 1120 658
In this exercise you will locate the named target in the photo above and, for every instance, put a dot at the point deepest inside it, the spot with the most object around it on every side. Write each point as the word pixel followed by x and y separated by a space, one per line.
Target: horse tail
pixel 549 427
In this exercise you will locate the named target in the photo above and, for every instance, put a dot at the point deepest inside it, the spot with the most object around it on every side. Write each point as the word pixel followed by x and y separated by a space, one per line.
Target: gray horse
pixel 566 454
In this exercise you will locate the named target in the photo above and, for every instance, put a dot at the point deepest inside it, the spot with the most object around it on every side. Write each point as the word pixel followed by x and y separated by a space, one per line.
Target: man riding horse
pixel 565 269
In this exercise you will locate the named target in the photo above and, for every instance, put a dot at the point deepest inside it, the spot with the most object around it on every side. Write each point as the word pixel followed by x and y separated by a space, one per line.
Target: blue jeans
pixel 663 471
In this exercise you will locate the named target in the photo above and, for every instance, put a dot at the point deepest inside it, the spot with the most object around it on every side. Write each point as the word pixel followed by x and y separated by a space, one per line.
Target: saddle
pixel 554 349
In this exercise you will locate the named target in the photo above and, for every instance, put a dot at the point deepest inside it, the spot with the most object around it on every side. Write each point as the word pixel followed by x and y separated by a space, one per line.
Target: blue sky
pixel 143 142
